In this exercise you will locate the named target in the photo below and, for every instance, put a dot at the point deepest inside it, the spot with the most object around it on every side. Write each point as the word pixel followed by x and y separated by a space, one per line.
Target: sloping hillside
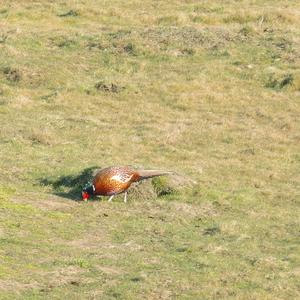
pixel 206 89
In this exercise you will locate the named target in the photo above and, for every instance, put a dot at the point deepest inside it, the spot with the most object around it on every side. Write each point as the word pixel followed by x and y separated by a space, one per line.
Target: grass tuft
pixel 162 186
pixel 278 82
pixel 69 13
pixel 12 74
pixel 112 87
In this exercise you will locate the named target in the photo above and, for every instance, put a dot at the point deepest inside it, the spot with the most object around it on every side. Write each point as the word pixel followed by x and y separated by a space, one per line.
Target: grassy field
pixel 207 89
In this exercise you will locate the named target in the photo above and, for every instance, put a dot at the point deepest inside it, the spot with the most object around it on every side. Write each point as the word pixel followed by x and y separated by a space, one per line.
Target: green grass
pixel 209 91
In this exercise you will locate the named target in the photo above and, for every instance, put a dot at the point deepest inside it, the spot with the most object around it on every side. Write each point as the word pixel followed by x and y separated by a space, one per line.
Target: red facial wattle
pixel 85 196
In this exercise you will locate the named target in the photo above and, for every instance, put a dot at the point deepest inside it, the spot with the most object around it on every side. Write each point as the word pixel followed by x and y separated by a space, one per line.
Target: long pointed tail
pixel 145 174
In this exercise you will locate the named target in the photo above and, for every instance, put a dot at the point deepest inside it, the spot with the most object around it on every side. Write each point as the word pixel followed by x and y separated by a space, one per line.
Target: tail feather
pixel 145 174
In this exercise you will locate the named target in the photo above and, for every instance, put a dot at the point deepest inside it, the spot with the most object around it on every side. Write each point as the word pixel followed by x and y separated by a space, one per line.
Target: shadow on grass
pixel 70 186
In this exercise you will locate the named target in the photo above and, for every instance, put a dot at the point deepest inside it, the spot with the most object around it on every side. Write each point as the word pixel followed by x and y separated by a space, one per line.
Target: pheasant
pixel 116 180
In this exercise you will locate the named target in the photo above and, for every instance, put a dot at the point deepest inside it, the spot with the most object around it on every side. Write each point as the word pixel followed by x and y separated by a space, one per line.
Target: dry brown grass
pixel 207 90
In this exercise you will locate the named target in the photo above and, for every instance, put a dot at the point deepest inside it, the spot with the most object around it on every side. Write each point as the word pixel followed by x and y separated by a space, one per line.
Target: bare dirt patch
pixel 45 203
pixel 63 276
pixel 191 210
pixel 91 241
pixel 12 285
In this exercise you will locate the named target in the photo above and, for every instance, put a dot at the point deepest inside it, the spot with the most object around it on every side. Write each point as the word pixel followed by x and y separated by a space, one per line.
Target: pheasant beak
pixel 85 196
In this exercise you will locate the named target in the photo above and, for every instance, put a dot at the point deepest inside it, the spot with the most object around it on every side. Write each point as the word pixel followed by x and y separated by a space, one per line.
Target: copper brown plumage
pixel 115 180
